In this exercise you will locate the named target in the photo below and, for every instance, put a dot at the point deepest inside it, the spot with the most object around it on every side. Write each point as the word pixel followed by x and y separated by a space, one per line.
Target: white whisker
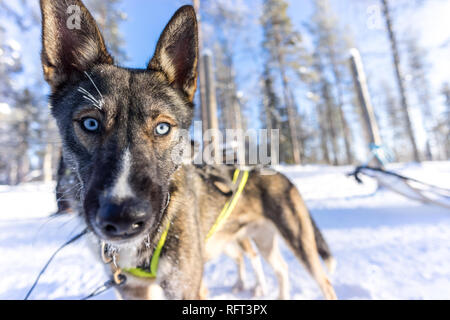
pixel 95 103
pixel 85 92
pixel 90 98
pixel 101 96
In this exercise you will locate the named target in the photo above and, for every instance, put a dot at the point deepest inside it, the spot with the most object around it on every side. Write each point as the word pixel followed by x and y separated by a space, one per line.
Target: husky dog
pixel 237 250
pixel 264 235
pixel 120 128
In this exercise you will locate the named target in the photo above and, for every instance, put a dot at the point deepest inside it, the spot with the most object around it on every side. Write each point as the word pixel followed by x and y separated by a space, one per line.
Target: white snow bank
pixel 387 247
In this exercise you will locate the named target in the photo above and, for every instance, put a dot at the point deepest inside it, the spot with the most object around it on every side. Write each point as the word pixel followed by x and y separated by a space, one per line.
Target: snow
pixel 387 247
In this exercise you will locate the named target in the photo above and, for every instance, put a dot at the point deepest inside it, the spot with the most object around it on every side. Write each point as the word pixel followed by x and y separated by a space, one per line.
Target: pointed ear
pixel 176 53
pixel 71 41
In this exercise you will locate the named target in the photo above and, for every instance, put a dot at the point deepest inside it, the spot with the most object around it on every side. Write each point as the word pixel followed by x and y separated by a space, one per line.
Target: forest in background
pixel 300 81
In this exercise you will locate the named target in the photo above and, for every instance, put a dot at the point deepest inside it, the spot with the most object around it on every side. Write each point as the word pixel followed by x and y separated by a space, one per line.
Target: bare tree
pixel 444 124
pixel 109 17
pixel 282 43
pixel 418 71
pixel 201 72
pixel 332 47
pixel 400 79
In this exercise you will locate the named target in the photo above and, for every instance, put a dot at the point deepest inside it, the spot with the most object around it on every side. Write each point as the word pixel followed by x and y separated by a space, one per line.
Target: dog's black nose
pixel 123 219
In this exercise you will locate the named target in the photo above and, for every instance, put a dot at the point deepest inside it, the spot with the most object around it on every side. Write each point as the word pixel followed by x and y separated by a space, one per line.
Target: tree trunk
pixel 330 121
pixel 231 90
pixel 23 161
pixel 298 126
pixel 47 167
pixel 289 105
pixel 201 74
pixel 340 96
pixel 323 133
pixel 210 93
pixel 399 77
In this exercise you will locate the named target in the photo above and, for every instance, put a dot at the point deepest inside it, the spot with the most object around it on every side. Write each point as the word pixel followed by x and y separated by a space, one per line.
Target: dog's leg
pixel 234 252
pixel 285 208
pixel 310 251
pixel 261 286
pixel 267 243
pixel 203 294
pixel 301 238
pixel 324 250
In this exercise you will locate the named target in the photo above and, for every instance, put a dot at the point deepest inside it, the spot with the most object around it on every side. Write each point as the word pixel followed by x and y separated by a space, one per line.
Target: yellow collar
pixel 226 211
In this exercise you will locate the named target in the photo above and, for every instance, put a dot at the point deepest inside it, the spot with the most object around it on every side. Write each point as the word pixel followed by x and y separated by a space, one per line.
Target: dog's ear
pixel 71 41
pixel 176 53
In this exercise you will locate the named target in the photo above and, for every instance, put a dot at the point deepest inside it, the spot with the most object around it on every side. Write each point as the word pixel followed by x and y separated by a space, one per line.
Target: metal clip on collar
pixel 108 258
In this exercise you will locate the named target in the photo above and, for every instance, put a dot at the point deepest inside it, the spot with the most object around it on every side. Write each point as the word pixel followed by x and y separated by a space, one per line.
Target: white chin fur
pixel 128 251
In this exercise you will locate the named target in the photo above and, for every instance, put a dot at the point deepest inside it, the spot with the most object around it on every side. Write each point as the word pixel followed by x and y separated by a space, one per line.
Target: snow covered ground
pixel 387 247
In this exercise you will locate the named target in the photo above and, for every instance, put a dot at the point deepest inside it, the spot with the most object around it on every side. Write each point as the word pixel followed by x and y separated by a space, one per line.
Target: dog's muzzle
pixel 122 219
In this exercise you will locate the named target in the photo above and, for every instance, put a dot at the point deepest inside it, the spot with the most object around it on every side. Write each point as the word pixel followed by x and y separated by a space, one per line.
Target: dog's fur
pixel 236 250
pixel 126 170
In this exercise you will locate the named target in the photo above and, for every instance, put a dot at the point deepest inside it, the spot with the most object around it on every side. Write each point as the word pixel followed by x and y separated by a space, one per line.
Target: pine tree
pixel 282 45
pixel 315 94
pixel 227 21
pixel 275 115
pixel 108 17
pixel 418 68
pixel 10 67
pixel 400 79
pixel 332 48
pixel 330 115
pixel 443 126
pixel 227 90
pixel 394 123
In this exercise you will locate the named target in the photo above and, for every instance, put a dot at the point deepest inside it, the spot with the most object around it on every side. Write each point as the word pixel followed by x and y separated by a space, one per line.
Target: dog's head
pixel 119 126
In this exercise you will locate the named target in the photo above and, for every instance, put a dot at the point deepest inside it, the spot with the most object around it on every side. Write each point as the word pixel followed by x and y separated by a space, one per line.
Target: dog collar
pixel 154 261
pixel 142 273
pixel 224 214
pixel 231 203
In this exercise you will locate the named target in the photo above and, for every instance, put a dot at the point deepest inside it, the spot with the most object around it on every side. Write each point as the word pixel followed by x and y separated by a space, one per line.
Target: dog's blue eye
pixel 91 124
pixel 162 129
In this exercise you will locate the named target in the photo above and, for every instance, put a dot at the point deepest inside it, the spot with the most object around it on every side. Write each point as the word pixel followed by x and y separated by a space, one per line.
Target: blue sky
pixel 145 22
